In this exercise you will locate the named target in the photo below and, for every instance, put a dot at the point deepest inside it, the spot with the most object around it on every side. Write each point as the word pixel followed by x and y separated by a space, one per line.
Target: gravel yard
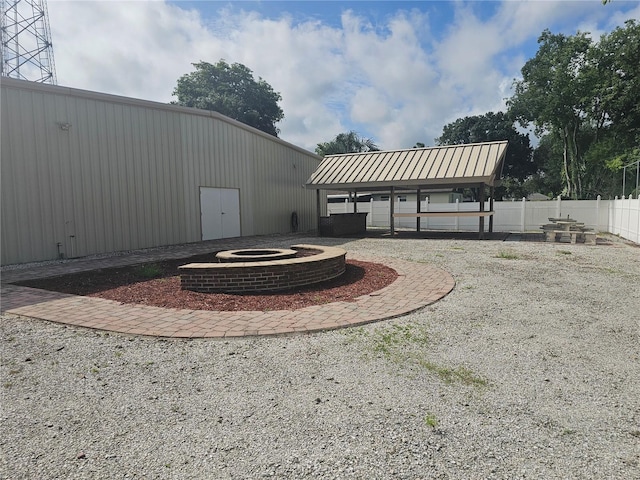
pixel 529 368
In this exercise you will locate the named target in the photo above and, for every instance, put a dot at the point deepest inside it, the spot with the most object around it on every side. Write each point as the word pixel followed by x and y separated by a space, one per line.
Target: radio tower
pixel 27 52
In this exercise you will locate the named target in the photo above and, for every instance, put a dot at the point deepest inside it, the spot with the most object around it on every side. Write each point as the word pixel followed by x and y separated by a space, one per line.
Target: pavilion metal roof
pixel 451 166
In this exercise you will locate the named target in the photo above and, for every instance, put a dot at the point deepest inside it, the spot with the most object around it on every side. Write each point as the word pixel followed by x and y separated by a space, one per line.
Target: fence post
pixel 598 198
pixel 558 207
pixel 615 229
pixel 611 227
pixel 523 214
pixel 624 230
pixel 491 208
pixel 426 219
pixel 457 218
pixel 371 212
pixel 638 207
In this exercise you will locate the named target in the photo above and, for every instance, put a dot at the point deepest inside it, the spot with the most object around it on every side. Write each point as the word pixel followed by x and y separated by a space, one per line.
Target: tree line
pixel 580 97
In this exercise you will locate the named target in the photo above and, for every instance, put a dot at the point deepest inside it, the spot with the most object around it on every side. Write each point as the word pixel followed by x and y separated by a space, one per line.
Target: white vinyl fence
pixel 619 216
pixel 624 218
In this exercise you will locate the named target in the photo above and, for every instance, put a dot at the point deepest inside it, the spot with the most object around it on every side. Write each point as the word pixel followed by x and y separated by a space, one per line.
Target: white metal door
pixel 230 212
pixel 220 212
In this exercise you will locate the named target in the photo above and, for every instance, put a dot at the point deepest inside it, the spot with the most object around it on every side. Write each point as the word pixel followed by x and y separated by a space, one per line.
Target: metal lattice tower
pixel 27 52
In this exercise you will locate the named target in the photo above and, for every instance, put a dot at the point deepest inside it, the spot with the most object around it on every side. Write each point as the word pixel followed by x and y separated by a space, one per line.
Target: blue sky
pixel 396 72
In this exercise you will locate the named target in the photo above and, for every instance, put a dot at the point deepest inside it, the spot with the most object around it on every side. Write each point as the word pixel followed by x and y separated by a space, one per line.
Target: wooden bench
pixel 479 214
pixel 443 214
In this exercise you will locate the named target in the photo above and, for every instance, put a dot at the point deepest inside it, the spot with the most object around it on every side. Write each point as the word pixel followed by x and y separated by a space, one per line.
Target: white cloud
pixel 369 105
pixel 132 48
pixel 618 17
pixel 303 62
pixel 398 82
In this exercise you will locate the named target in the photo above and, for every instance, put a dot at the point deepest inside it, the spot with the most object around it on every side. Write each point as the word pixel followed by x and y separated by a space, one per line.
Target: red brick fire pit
pixel 313 264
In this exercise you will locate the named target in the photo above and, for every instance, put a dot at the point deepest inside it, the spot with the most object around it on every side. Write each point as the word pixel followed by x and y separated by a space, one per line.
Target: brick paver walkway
pixel 418 285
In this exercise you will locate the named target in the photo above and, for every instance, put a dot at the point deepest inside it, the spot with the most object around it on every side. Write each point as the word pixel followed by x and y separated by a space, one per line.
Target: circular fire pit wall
pixel 264 270
pixel 255 255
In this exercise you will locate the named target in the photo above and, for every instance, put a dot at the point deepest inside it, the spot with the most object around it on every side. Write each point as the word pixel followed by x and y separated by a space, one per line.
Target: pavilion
pixel 476 166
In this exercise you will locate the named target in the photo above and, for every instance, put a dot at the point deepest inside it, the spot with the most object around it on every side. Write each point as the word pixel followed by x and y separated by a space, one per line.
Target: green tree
pixel 604 162
pixel 615 66
pixel 232 91
pixel 584 97
pixel 548 156
pixel 348 142
pixel 554 94
pixel 519 163
pixel 611 124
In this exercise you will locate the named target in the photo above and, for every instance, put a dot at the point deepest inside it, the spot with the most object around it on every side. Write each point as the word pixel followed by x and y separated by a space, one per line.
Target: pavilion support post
pixel 355 201
pixel 492 192
pixel 392 200
pixel 418 210
pixel 481 218
pixel 318 211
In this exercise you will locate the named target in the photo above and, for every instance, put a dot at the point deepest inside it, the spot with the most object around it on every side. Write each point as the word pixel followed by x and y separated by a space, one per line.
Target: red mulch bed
pixel 132 285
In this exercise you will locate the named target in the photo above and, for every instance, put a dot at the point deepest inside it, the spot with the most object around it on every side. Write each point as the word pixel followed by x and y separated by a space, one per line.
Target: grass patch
pixel 613 271
pixel 319 300
pixel 150 270
pixel 430 420
pixel 389 340
pixel 407 346
pixel 508 255
pixel 451 375
pixel 564 252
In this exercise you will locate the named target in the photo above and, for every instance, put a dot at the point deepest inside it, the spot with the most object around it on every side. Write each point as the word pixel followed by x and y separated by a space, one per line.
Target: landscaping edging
pixel 417 286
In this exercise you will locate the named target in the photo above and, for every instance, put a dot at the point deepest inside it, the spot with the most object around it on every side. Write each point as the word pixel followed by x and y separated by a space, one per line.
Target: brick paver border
pixel 417 285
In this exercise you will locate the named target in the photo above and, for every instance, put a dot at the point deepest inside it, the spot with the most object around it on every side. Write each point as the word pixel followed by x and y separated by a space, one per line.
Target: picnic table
pixel 568 230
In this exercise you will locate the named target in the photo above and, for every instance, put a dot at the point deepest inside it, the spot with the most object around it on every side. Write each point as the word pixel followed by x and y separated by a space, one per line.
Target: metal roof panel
pixel 453 164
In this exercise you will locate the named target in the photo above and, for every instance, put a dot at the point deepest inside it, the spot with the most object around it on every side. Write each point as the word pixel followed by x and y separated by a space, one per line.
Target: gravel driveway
pixel 530 368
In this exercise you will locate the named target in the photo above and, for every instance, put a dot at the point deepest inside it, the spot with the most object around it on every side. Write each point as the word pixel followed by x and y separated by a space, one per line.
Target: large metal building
pixel 85 173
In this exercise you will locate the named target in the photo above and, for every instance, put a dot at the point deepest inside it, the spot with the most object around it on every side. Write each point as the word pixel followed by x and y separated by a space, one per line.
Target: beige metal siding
pixel 127 173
